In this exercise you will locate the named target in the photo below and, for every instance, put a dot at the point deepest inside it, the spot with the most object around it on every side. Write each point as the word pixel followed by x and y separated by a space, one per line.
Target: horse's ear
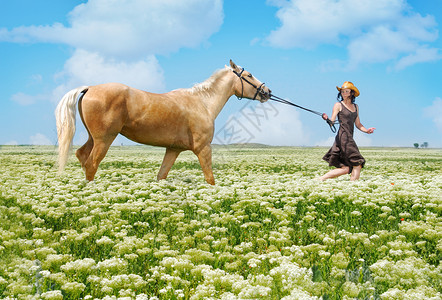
pixel 233 65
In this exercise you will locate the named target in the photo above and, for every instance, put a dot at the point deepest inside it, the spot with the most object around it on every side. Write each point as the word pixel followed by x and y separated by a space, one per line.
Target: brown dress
pixel 344 151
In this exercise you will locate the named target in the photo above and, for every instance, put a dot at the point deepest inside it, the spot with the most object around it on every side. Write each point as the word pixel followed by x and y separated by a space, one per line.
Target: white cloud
pixel 435 112
pixel 326 143
pixel 373 31
pixel 81 135
pixel 423 54
pixel 116 41
pixel 387 42
pixel 12 143
pixel 379 45
pixel 362 139
pixel 40 139
pixel 36 79
pixel 284 130
pixel 25 99
pixel 129 29
pixel 265 123
pixel 308 23
pixel 85 68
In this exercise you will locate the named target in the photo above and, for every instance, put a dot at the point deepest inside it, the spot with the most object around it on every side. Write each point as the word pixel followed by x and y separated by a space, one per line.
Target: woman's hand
pixel 324 116
pixel 370 130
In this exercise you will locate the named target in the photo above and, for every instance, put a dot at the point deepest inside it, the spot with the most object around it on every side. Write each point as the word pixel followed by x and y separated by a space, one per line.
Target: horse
pixel 179 120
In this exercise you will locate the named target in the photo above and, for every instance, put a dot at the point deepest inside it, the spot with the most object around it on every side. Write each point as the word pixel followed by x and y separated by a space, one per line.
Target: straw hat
pixel 349 85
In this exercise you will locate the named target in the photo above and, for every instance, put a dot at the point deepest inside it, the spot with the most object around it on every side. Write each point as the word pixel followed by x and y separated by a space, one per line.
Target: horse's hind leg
pixel 99 150
pixel 84 151
pixel 205 158
pixel 168 161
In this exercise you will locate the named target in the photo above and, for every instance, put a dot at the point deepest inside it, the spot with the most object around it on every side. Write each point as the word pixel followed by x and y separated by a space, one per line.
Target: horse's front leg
pixel 205 158
pixel 168 161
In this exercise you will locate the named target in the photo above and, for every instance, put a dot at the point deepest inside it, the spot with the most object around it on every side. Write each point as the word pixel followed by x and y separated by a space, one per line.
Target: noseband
pixel 259 89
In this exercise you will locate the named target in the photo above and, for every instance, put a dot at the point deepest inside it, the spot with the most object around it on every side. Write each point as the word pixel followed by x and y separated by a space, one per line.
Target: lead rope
pixel 278 99
pixel 329 122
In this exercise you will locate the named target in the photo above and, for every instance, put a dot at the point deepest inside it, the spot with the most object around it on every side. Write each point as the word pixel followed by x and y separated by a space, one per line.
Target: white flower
pixel 80 265
pixel 356 213
pixel 73 287
pixel 351 289
pixel 52 295
pixel 253 263
pixel 104 240
pixel 112 265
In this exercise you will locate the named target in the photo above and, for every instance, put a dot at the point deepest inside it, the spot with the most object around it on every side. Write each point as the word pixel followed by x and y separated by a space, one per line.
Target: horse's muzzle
pixel 264 94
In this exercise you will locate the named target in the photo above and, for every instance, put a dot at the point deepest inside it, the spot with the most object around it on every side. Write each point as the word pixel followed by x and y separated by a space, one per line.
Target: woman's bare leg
pixel 355 173
pixel 335 173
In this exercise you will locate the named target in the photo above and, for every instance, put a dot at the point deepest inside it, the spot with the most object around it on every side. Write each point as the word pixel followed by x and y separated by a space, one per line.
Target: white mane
pixel 209 85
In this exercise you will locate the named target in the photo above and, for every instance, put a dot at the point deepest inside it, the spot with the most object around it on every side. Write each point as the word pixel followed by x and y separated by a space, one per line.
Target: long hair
pixel 352 95
pixel 65 118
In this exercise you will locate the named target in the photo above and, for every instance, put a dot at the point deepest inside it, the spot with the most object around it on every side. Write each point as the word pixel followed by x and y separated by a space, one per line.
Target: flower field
pixel 266 230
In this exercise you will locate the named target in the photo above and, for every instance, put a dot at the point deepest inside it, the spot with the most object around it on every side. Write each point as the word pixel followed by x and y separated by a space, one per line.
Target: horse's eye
pixel 250 75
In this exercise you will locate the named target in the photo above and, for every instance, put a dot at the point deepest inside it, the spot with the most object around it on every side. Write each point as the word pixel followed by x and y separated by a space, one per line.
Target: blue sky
pixel 302 49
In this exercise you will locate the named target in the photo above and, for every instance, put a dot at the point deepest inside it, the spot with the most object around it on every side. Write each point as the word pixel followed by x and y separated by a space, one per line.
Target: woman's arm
pixel 336 110
pixel 361 127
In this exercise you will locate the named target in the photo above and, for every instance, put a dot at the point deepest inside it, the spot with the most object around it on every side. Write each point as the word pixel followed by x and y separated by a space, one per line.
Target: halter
pixel 259 89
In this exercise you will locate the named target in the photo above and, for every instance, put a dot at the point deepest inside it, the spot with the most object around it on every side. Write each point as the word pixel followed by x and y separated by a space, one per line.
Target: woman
pixel 344 154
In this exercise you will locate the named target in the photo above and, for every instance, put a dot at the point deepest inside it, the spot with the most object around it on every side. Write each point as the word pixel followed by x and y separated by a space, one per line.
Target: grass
pixel 267 230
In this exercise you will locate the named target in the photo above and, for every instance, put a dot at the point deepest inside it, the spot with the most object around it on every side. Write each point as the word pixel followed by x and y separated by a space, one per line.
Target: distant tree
pixel 424 145
pixel 416 145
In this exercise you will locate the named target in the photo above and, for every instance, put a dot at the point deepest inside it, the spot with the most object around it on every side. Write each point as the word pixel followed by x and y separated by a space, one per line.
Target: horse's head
pixel 248 86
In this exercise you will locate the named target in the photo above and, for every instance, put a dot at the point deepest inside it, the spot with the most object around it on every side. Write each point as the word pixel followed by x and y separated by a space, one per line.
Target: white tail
pixel 65 118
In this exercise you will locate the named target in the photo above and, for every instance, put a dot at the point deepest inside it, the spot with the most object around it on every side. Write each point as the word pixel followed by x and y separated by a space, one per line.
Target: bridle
pixel 259 89
pixel 269 96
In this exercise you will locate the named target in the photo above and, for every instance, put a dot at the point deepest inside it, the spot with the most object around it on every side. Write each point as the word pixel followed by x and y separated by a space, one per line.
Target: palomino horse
pixel 179 120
